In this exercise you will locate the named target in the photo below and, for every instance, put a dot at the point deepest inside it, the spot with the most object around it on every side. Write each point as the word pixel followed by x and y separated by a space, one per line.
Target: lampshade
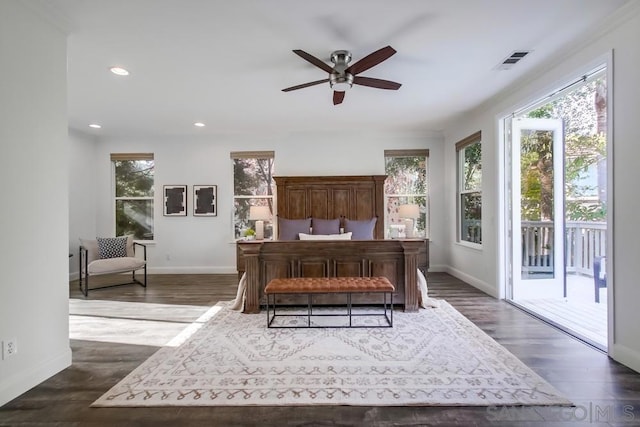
pixel 409 211
pixel 259 213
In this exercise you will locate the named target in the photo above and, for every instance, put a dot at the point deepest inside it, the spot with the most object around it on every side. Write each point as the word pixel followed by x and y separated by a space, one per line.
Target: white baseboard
pixel 626 356
pixel 476 283
pixel 177 270
pixel 438 268
pixel 192 270
pixel 22 381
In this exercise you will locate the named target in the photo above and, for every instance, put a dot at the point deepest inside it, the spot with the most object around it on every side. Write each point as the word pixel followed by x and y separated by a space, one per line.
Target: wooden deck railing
pixel 537 246
pixel 583 242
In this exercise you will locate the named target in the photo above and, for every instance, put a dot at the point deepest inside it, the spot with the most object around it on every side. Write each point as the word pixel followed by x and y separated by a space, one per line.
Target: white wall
pixel 204 244
pixel 477 267
pixel 82 196
pixel 34 220
pixel 481 268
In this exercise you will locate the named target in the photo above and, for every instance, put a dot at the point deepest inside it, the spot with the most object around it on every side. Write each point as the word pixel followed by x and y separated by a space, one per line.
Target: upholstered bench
pixel 330 285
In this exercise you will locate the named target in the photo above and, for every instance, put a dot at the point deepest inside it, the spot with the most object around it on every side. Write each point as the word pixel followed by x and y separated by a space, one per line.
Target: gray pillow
pixel 288 229
pixel 361 230
pixel 325 226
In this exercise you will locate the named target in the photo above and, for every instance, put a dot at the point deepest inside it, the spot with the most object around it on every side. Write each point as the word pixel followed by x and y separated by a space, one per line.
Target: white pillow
pixel 343 236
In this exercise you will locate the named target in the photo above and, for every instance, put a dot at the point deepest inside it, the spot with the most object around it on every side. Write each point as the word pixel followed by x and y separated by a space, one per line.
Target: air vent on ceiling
pixel 513 59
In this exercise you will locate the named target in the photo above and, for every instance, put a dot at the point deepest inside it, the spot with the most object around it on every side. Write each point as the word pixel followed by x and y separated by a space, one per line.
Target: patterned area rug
pixel 433 357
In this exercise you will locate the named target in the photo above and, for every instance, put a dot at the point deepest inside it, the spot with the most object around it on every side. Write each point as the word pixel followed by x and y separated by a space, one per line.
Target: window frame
pixel 462 190
pixel 409 197
pixel 270 198
pixel 114 157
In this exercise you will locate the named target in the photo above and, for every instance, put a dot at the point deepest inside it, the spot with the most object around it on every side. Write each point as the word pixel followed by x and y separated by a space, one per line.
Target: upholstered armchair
pixel 111 255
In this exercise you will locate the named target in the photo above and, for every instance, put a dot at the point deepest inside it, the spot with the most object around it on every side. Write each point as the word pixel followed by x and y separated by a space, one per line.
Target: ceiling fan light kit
pixel 341 82
pixel 339 79
pixel 343 76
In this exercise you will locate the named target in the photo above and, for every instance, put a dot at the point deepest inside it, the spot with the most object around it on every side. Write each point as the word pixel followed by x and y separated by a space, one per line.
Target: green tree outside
pixel 407 183
pixel 134 182
pixel 252 180
pixel 583 112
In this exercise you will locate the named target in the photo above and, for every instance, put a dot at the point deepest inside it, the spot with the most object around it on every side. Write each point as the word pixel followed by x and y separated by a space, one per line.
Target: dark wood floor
pixel 605 392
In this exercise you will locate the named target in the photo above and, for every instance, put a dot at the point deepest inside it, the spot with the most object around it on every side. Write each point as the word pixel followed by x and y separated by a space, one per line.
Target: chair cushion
pixel 130 251
pixel 115 265
pixel 91 245
pixel 112 247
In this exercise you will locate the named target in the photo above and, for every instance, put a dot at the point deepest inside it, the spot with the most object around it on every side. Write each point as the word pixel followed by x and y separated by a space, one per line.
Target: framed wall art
pixel 175 200
pixel 205 200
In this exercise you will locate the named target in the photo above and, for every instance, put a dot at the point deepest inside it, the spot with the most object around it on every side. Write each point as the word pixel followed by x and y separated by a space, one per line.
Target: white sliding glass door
pixel 537 208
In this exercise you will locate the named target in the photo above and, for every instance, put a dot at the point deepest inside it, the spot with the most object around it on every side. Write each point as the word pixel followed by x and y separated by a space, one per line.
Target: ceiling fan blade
pixel 315 61
pixel 302 86
pixel 377 83
pixel 371 60
pixel 338 97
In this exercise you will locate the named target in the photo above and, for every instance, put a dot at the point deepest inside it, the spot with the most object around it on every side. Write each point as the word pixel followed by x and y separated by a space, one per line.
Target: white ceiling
pixel 225 63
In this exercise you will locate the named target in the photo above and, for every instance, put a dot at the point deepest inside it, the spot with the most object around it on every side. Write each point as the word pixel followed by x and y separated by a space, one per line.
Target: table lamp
pixel 259 214
pixel 409 213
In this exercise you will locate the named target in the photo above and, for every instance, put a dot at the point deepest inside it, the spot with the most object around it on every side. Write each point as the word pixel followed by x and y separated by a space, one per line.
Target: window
pixel 253 185
pixel 406 184
pixel 133 183
pixel 469 152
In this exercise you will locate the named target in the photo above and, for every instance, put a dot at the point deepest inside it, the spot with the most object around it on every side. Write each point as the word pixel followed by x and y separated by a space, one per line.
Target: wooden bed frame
pixel 329 197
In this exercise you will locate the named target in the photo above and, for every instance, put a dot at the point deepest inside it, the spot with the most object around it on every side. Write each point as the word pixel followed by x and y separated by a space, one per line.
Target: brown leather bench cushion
pixel 319 285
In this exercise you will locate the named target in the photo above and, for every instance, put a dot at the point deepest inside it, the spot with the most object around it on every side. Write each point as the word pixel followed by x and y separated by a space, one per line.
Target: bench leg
pixel 268 322
pixel 384 296
pixel 270 319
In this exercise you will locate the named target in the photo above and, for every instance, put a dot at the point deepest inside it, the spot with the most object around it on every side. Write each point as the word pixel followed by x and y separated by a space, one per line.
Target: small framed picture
pixel 175 200
pixel 205 200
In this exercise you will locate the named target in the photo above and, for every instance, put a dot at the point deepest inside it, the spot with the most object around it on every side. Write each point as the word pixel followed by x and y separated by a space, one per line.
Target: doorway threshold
pixel 553 315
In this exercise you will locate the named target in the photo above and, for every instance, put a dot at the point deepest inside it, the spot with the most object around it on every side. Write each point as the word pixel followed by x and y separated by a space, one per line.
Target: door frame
pixel 503 262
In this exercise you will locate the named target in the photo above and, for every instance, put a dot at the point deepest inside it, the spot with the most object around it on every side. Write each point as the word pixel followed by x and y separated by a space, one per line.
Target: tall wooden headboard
pixel 329 197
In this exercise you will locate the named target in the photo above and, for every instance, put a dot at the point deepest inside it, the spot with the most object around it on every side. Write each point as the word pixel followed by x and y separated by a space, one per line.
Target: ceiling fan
pixel 342 75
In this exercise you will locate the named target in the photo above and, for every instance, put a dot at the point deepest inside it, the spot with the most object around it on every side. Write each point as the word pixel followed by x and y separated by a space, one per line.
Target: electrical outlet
pixel 9 348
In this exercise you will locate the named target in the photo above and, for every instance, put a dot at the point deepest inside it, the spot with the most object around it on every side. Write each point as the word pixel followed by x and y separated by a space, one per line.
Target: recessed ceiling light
pixel 95 126
pixel 119 71
pixel 199 124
